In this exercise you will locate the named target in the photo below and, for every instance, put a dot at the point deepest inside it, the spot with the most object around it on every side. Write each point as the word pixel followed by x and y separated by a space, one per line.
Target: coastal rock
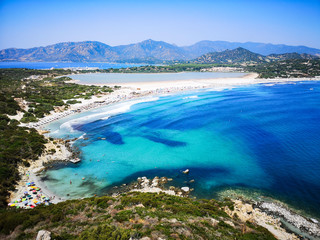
pixel 186 171
pixel 145 182
pixel 38 170
pixel 230 223
pixel 163 180
pixel 44 235
pixel 293 218
pixel 155 182
pixel 151 185
pixel 214 222
pixel 185 189
pixel 245 212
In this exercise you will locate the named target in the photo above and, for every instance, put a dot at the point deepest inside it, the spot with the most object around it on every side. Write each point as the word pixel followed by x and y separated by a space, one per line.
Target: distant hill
pixel 68 51
pixel 237 55
pixel 241 55
pixel 148 51
pixel 287 56
pixel 204 47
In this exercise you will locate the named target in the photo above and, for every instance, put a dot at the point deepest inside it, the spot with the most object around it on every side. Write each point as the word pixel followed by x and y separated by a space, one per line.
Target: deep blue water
pixel 257 138
pixel 49 65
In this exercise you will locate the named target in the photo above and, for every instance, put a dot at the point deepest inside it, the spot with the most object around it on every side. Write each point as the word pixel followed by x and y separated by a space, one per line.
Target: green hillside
pixel 131 216
pixel 244 56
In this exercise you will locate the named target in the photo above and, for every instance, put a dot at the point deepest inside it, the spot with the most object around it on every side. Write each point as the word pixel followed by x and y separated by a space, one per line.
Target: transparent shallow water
pixel 258 138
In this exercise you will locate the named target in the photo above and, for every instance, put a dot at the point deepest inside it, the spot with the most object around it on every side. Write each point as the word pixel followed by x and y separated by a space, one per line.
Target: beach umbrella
pixel 23 199
pixel 43 196
pixel 38 189
pixel 35 201
pixel 38 203
pixel 47 199
pixel 25 202
pixel 28 184
pixel 12 205
pixel 32 206
pixel 25 192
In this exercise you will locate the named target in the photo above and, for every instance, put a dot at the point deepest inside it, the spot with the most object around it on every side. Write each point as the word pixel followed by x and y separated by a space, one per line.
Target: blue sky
pixel 31 23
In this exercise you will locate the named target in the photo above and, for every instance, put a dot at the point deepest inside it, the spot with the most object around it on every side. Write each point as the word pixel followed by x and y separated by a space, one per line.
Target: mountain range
pixel 148 50
pixel 241 55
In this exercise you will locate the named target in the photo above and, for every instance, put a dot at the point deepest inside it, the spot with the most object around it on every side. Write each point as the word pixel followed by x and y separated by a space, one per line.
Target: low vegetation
pixel 246 57
pixel 294 68
pixel 41 90
pixel 130 216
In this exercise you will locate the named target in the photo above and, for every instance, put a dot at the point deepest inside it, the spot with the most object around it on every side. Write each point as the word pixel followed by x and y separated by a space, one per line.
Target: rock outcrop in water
pixel 296 220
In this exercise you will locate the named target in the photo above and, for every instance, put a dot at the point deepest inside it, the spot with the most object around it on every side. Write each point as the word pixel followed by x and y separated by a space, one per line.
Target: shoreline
pixel 56 150
pixel 136 90
pixel 140 90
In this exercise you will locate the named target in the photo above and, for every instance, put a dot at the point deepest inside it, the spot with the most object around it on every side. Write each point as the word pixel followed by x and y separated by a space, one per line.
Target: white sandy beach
pixel 141 89
pixel 30 174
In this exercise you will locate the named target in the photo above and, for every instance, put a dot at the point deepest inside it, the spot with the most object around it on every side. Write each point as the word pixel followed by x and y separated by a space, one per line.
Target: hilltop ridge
pixel 244 56
pixel 145 51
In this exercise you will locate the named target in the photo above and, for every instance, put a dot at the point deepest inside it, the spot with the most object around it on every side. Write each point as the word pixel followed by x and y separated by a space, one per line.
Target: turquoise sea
pixel 262 139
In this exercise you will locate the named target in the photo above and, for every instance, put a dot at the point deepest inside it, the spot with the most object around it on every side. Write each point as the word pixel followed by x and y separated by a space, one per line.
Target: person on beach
pixel 70 182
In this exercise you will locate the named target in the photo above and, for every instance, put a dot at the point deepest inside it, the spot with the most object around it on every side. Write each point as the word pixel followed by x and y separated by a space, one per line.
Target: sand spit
pixel 134 90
